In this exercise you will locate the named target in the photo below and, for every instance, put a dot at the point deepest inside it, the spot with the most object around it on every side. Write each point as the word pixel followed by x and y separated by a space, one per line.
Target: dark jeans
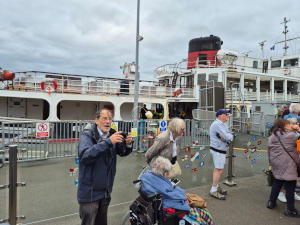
pixel 94 213
pixel 289 192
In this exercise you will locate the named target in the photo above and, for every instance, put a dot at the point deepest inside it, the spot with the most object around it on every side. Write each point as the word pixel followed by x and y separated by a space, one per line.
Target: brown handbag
pixel 176 170
pixel 195 200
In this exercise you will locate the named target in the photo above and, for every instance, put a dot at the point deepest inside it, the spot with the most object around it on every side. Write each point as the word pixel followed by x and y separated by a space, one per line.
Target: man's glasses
pixel 105 118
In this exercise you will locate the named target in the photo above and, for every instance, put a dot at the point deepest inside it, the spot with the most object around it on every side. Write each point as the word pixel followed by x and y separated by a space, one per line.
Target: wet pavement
pixel 50 193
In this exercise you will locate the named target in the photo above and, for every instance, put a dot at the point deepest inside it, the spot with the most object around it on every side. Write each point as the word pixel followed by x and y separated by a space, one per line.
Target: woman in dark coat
pixel 284 167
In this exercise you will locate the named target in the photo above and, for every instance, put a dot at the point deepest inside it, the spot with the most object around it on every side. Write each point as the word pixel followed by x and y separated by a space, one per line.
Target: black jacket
pixel 97 165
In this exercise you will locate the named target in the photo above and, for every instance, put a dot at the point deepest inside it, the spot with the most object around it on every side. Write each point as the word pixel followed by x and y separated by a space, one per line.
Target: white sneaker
pixel 281 197
pixel 297 197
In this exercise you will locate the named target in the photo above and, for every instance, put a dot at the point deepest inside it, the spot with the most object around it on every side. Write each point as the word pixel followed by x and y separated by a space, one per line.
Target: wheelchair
pixel 147 210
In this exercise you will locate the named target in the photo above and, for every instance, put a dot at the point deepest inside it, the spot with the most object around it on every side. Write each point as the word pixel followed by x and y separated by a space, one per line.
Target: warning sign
pixel 114 126
pixel 42 129
pixel 134 132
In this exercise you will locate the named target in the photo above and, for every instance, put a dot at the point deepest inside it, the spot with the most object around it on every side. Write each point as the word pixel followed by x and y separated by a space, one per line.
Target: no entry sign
pixel 42 129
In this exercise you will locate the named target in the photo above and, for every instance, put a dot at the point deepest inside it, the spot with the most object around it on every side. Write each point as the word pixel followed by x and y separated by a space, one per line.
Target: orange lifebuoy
pixel 50 87
pixel 178 92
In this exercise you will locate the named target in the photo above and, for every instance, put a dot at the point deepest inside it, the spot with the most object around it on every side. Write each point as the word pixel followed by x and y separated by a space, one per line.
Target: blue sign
pixel 163 125
pixel 76 160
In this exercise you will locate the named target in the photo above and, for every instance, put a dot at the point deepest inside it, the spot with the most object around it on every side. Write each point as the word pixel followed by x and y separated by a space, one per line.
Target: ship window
pixel 202 59
pixel 257 108
pixel 255 64
pixel 213 77
pixel 201 77
pixel 291 62
pixel 275 63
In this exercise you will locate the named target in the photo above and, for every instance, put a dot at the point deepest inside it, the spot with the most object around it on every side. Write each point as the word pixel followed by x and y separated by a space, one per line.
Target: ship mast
pixel 285 31
pixel 262 47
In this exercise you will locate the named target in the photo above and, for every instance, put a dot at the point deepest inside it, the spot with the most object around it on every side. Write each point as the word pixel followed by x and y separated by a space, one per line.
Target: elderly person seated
pixel 157 181
pixel 294 112
pixel 173 197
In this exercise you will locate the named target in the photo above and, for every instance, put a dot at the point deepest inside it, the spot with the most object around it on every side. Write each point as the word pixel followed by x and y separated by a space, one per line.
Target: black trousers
pixel 289 192
pixel 94 213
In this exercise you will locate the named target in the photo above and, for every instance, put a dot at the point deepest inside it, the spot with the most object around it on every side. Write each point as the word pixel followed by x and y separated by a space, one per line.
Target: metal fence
pixel 64 135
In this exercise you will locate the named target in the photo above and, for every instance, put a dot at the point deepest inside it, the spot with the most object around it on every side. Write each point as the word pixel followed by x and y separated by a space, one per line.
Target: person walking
pixel 283 158
pixel 294 126
pixel 166 144
pixel 144 110
pixel 220 137
pixel 97 152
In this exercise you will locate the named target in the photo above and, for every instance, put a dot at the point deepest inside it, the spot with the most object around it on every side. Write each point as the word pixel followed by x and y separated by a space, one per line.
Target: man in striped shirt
pixel 220 138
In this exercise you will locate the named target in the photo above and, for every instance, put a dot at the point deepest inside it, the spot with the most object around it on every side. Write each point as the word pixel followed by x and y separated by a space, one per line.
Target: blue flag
pixel 273 47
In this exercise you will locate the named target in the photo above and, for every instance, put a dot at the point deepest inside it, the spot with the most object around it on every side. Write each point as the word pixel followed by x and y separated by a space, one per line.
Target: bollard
pixel 13 151
pixel 229 180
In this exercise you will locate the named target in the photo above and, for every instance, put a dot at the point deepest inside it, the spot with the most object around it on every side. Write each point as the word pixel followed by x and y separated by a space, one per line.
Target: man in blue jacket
pixel 97 152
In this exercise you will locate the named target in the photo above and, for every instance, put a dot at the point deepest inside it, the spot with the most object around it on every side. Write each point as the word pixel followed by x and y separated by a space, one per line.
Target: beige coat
pixel 283 167
pixel 162 146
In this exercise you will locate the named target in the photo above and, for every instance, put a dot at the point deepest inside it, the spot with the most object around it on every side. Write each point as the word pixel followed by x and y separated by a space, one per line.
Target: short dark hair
pixel 279 126
pixel 97 116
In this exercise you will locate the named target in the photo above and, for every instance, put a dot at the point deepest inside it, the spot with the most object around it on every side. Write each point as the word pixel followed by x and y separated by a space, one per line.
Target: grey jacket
pixel 162 146
pixel 283 167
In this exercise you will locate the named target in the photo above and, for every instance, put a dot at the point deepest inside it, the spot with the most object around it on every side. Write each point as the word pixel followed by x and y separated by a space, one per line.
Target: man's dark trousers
pixel 94 213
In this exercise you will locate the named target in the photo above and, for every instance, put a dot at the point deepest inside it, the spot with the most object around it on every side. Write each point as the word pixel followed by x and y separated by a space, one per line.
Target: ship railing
pixel 101 86
pixel 264 96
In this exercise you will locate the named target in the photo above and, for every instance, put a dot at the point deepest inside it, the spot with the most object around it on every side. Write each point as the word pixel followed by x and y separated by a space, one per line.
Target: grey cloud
pixel 96 37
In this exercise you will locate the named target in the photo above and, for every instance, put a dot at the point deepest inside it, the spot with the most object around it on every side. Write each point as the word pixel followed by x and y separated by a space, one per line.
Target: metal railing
pixel 75 84
pixel 264 96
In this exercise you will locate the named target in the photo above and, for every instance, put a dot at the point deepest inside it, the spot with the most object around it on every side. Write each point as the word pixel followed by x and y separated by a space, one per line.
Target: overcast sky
pixel 96 37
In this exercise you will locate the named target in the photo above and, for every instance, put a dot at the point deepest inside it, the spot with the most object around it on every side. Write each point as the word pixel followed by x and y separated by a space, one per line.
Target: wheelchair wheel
pixel 126 219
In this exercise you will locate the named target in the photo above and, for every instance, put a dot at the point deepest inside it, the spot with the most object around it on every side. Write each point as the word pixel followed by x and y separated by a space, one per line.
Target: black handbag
pixel 270 177
pixel 298 166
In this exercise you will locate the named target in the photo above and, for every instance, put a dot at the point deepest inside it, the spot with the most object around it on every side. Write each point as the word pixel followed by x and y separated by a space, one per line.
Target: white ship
pixel 209 78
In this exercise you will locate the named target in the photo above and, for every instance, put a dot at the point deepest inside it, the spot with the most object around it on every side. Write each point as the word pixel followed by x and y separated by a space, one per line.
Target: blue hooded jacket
pixel 292 115
pixel 172 196
pixel 97 165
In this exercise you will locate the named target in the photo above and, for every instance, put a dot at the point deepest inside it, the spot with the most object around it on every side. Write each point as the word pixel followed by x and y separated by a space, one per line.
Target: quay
pixel 49 197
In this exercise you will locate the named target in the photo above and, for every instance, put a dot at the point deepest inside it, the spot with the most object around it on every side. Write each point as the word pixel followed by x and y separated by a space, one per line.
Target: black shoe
pixel 271 205
pixel 293 213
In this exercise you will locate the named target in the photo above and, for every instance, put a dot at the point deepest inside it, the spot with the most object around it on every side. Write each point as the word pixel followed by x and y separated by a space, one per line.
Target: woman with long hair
pixel 283 158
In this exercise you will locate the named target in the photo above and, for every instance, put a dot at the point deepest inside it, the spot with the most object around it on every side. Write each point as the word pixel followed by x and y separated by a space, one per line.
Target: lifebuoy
pixel 178 92
pixel 51 87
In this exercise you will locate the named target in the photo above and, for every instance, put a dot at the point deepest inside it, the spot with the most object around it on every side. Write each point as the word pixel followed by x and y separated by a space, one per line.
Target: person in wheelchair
pixel 157 181
pixel 174 198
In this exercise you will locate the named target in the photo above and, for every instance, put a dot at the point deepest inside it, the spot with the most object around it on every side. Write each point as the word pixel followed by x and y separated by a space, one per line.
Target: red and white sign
pixel 42 129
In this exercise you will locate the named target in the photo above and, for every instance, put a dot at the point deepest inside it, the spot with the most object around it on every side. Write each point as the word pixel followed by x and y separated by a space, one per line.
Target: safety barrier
pixel 63 136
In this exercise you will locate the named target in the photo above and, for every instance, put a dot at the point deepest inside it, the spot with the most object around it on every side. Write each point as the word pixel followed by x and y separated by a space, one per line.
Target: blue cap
pixel 222 111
